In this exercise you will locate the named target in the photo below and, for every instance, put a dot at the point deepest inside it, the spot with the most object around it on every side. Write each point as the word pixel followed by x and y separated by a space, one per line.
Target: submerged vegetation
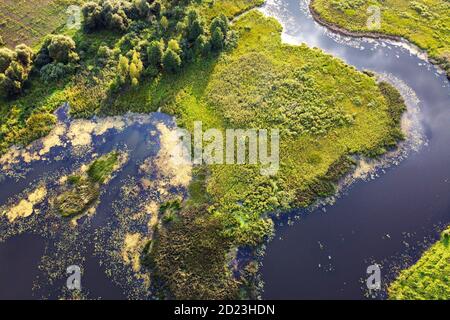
pixel 426 23
pixel 187 59
pixel 429 278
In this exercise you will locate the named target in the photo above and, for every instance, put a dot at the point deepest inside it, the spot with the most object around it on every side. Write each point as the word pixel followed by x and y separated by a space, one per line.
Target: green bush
pixel 61 49
pixel 6 57
pixel 155 52
pixel 37 126
pixel 171 61
pixel 55 71
pixel 217 40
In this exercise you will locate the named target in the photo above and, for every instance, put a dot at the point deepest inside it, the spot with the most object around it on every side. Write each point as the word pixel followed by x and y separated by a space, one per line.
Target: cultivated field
pixel 25 21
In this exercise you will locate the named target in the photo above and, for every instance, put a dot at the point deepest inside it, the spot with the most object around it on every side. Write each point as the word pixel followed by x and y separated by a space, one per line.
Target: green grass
pixel 212 8
pixel 429 278
pixel 426 23
pixel 102 168
pixel 77 199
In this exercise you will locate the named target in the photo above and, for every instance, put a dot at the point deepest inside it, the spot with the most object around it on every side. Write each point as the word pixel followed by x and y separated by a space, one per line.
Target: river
pixel 387 221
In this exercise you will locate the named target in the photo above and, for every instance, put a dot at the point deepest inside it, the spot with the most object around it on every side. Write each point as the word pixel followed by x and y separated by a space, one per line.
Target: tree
pixel 142 7
pixel 171 61
pixel 203 46
pixel 25 55
pixel 6 57
pixel 217 40
pixel 220 22
pixel 12 80
pixel 118 22
pixel 91 14
pixel 164 23
pixel 174 45
pixel 123 70
pixel 110 15
pixel 136 68
pixel 194 26
pixel 62 49
pixel 155 53
pixel 155 9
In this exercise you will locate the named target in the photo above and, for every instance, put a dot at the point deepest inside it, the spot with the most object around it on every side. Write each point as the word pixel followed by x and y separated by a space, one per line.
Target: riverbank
pixel 337 28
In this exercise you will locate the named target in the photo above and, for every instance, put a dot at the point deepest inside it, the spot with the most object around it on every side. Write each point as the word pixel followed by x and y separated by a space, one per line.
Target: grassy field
pixel 426 23
pixel 24 21
pixel 325 110
pixel 429 278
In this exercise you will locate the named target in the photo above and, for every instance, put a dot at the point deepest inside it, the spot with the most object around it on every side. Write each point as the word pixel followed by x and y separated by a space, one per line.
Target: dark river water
pixel 389 220
pixel 22 265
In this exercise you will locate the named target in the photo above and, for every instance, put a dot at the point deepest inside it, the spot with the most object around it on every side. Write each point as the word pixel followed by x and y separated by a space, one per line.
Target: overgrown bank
pixel 424 23
pixel 429 278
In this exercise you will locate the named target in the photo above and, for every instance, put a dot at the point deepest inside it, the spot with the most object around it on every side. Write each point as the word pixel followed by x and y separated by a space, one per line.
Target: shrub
pixel 25 55
pixel 155 52
pixel 6 57
pixel 446 237
pixel 217 40
pixel 62 49
pixel 54 72
pixel 171 61
pixel 38 125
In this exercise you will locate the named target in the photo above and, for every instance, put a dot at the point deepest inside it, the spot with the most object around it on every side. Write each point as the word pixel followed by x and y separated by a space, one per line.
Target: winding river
pixel 389 220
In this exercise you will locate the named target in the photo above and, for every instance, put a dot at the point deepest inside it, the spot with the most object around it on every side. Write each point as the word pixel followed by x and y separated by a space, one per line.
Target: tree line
pixel 178 37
